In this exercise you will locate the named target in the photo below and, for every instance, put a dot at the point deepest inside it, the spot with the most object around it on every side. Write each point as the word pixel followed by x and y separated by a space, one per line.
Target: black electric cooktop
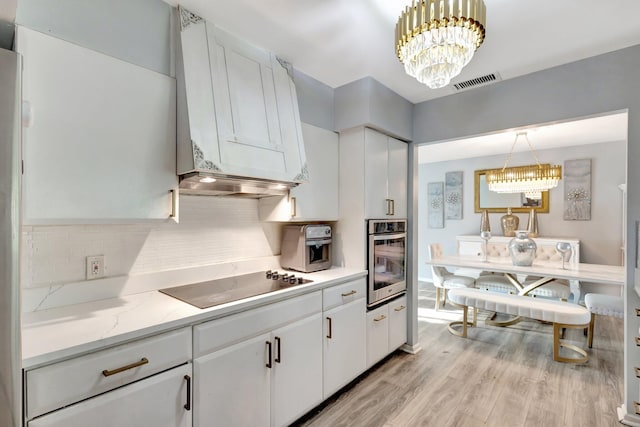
pixel 234 288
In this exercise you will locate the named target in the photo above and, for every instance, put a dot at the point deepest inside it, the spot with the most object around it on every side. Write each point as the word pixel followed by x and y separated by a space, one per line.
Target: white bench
pixel 561 314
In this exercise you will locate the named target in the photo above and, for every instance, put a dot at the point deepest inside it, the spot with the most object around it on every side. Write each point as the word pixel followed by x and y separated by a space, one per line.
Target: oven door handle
pixel 389 236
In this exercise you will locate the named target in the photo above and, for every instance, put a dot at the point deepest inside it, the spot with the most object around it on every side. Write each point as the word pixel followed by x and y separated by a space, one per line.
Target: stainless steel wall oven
pixel 387 254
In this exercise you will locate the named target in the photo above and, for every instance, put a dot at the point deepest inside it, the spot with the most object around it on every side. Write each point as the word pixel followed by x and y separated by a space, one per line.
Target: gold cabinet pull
pixel 174 205
pixel 382 317
pixel 349 293
pixel 108 373
pixel 393 207
pixel 637 371
pixel 329 335
pixel 402 307
pixel 294 207
pixel 638 311
pixel 388 201
pixel 638 341
pixel 636 407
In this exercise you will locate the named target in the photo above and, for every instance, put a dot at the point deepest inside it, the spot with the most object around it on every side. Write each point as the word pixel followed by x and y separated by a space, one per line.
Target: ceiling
pixel 591 130
pixel 340 41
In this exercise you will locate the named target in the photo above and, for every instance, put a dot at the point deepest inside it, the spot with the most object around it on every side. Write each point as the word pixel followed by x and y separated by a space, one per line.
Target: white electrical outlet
pixel 95 267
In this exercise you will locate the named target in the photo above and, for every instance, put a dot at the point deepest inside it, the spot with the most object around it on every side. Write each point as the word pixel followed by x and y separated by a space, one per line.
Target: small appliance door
pixel 318 255
pixel 387 272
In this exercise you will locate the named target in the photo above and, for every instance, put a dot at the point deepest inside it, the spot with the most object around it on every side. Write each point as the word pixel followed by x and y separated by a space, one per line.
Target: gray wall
pixel 592 86
pixel 600 238
pixel 366 102
pixel 136 31
pixel 315 101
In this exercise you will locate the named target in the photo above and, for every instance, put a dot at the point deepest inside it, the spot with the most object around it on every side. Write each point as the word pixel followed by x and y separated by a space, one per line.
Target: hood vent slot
pixel 204 184
pixel 478 81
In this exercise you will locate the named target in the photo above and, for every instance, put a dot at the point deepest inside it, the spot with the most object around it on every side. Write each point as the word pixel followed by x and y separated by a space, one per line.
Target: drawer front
pixel 53 386
pixel 343 294
pixel 213 335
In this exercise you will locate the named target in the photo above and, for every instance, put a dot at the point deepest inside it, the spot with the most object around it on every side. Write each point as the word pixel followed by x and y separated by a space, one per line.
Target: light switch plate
pixel 95 267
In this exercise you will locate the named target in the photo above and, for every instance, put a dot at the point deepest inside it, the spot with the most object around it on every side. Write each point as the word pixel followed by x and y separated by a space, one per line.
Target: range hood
pixel 238 123
pixel 206 184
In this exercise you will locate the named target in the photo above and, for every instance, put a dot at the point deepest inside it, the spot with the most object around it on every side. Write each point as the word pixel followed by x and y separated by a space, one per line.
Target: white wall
pixel 601 237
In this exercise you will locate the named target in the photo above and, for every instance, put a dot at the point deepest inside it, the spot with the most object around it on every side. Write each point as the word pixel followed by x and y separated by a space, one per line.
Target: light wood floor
pixel 496 377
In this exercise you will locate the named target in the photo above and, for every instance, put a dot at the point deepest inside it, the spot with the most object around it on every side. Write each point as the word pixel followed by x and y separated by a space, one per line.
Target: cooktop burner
pixel 234 288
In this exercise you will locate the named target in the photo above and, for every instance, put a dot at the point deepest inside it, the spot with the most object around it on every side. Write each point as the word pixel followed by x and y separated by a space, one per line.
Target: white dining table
pixel 575 273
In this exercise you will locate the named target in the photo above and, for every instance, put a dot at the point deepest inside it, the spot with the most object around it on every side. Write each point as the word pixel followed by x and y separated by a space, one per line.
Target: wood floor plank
pixel 497 377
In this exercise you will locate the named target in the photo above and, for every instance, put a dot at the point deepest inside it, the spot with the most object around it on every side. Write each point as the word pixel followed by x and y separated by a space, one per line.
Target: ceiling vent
pixel 478 81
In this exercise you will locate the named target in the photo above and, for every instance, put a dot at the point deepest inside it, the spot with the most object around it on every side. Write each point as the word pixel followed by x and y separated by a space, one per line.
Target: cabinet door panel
pixel 318 199
pixel 397 323
pixel 345 351
pixel 157 401
pixel 398 176
pixel 297 377
pixel 376 170
pixel 377 335
pixel 231 386
pixel 94 153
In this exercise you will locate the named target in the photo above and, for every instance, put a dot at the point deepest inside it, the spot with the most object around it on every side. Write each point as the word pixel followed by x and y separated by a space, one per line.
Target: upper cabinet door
pixel 376 171
pixel 99 141
pixel 316 200
pixel 242 107
pixel 397 177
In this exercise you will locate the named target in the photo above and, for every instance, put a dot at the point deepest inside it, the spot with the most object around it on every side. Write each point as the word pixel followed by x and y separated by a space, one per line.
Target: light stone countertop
pixel 60 333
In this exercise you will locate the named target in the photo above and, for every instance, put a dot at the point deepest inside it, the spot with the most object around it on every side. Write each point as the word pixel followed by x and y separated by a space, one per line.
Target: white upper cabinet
pixel 241 107
pixel 98 139
pixel 316 200
pixel 385 176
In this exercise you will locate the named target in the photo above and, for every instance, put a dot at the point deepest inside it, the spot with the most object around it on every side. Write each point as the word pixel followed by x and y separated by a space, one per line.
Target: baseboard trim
pixel 411 349
pixel 626 418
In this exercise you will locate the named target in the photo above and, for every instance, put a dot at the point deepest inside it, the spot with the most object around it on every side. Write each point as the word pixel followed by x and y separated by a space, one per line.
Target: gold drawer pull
pixel 636 407
pixel 108 373
pixel 382 317
pixel 637 371
pixel 349 293
pixel 638 311
pixel 402 307
pixel 638 341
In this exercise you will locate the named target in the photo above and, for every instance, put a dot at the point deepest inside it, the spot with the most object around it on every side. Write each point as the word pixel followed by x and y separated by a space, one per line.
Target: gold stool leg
pixel 437 299
pixel 462 322
pixel 557 343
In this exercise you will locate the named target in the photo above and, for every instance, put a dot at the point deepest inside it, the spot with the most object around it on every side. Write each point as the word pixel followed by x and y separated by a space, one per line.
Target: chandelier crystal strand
pixel 435 39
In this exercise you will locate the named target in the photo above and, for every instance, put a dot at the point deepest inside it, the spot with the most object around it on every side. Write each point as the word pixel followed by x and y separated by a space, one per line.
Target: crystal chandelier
pixel 435 39
pixel 531 180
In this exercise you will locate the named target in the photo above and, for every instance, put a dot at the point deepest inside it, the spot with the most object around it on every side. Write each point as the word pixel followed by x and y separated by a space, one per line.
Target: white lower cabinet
pixel 386 329
pixel 232 385
pixel 263 378
pixel 162 400
pixel 144 383
pixel 344 352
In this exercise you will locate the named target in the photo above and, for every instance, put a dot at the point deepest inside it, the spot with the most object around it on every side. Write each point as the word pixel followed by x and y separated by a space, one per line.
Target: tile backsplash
pixel 212 230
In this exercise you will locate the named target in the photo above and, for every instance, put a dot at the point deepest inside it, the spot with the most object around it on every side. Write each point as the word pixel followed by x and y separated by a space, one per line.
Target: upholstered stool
pixel 444 279
pixel 607 305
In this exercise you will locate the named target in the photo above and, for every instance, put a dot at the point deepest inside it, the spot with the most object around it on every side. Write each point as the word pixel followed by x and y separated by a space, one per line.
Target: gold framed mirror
pixel 483 198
